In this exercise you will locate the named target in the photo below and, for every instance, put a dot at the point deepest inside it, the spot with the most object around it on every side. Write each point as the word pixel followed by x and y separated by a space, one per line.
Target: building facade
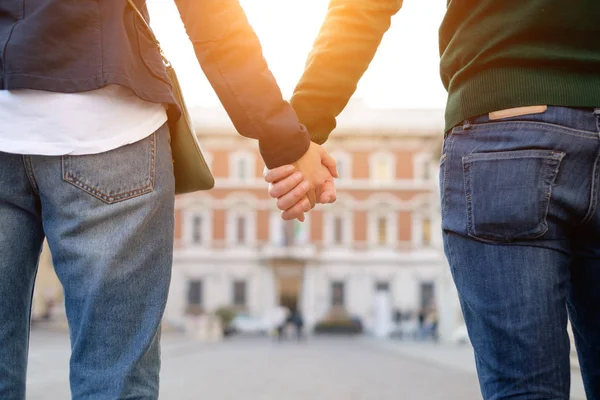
pixel 380 243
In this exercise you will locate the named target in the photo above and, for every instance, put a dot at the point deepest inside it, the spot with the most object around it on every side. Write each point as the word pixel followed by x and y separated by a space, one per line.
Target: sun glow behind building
pixel 404 74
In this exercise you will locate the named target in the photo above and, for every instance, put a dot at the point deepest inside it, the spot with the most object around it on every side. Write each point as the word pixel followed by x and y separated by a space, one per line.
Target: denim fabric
pixel 521 232
pixel 109 222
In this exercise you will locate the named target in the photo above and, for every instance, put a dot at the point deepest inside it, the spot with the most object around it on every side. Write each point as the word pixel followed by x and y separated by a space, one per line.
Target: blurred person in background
pixel 297 322
pixel 280 321
pixel 433 320
pixel 85 161
pixel 422 317
pixel 519 174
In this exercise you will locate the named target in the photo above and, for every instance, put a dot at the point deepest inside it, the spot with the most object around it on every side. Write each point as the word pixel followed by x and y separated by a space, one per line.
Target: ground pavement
pixel 262 369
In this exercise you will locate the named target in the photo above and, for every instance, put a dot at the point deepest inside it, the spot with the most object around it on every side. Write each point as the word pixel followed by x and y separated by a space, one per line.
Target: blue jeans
pixel 522 236
pixel 109 223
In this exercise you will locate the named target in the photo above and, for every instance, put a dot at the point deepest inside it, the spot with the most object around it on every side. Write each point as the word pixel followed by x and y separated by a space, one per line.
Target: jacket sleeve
pixel 230 55
pixel 342 52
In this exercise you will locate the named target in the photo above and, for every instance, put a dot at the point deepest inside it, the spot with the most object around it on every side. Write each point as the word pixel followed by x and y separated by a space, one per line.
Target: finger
pixel 329 162
pixel 293 196
pixel 306 206
pixel 303 204
pixel 333 195
pixel 278 189
pixel 297 211
pixel 279 173
pixel 329 193
pixel 289 216
pixel 323 176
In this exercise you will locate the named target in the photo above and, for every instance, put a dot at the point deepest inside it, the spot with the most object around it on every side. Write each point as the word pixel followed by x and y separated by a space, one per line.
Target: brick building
pixel 381 238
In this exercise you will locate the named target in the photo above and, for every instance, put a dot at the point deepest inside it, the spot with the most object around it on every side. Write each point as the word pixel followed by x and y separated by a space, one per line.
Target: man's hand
pixel 318 168
pixel 298 187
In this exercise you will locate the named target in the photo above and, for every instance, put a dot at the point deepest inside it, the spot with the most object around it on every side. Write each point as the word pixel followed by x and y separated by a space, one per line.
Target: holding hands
pixel 298 187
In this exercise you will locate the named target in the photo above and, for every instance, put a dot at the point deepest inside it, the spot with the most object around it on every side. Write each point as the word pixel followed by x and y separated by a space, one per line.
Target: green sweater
pixel 499 54
pixel 495 54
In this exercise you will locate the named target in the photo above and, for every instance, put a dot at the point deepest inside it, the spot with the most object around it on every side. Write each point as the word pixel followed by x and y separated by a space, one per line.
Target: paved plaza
pixel 261 369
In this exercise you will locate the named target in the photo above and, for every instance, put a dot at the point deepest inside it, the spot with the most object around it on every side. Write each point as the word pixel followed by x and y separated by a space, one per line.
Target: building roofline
pixel 354 121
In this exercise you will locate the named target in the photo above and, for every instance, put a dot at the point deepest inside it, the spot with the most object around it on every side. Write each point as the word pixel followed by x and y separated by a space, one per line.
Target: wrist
pixel 287 151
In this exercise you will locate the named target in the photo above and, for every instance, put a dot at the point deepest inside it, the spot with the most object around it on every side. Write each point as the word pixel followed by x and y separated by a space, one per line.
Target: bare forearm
pixel 342 52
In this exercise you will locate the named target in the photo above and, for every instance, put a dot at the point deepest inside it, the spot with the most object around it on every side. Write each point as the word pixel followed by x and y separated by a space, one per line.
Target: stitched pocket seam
pixel 551 167
pixel 118 197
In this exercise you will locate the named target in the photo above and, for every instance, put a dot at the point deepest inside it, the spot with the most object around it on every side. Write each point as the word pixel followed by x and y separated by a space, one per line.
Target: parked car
pixel 349 326
pixel 248 325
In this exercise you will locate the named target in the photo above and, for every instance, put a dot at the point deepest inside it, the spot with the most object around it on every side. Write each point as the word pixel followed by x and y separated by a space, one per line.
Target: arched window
pixel 241 221
pixel 197 225
pixel 382 224
pixel 339 224
pixel 422 166
pixel 382 167
pixel 242 166
pixel 344 164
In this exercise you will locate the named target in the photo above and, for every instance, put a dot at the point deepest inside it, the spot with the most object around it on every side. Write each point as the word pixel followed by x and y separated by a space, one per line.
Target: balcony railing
pixel 301 247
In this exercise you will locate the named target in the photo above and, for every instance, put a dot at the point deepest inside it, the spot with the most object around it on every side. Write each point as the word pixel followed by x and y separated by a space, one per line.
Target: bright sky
pixel 404 74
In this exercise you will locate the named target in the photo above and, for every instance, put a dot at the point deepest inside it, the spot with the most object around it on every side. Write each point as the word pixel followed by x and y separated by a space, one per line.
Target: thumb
pixel 329 162
pixel 329 194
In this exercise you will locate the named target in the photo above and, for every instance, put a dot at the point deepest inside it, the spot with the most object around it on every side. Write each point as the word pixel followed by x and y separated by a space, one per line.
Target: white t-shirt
pixel 36 122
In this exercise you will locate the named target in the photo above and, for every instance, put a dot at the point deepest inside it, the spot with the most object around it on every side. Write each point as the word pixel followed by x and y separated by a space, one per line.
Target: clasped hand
pixel 298 187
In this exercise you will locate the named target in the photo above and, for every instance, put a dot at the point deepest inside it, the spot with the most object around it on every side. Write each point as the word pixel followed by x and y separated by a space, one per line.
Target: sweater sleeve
pixel 230 55
pixel 342 52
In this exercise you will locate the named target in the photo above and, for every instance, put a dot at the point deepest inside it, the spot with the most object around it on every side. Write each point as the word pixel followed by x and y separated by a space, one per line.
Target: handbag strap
pixel 143 20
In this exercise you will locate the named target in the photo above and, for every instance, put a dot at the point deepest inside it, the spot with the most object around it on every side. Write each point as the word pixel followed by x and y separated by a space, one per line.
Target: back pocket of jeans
pixel 117 175
pixel 508 193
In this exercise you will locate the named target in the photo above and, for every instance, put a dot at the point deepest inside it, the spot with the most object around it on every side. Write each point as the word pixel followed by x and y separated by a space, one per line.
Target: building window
pixel 240 226
pixel 242 169
pixel 338 226
pixel 239 293
pixel 240 230
pixel 382 286
pixel 382 167
pixel 338 230
pixel 288 233
pixel 426 239
pixel 197 226
pixel 241 166
pixel 382 171
pixel 426 173
pixel 382 228
pixel 427 295
pixel 344 164
pixel 341 169
pixel 294 233
pixel 337 294
pixel 382 225
pixel 195 293
pixel 422 166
